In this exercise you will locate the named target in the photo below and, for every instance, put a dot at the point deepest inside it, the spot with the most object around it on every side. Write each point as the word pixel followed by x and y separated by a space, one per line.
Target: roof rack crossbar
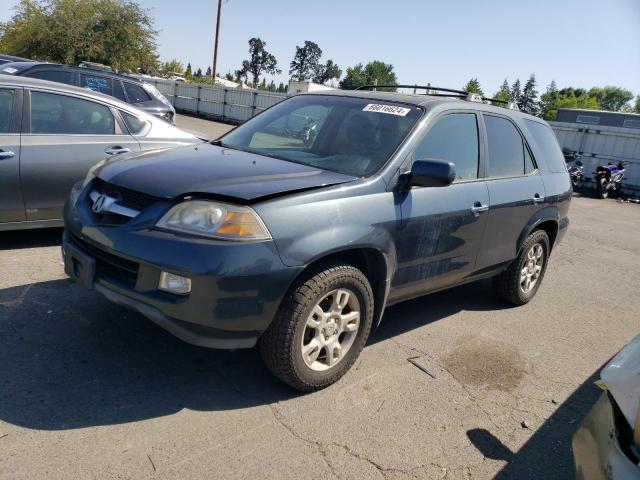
pixel 429 88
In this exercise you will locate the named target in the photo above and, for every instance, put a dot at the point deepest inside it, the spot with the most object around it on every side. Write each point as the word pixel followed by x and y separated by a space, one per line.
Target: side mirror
pixel 429 173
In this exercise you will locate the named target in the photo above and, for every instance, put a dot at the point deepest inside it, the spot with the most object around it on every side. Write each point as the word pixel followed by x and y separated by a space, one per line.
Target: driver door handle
pixel 6 154
pixel 537 198
pixel 478 207
pixel 116 150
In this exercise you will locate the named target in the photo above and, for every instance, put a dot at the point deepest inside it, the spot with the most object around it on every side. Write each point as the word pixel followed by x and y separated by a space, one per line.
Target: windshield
pixel 353 136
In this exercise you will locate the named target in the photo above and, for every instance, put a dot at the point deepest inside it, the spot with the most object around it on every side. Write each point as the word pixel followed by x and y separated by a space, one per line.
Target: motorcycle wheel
pixel 603 191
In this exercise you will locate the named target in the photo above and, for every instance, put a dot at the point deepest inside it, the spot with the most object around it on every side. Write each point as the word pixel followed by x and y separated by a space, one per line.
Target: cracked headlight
pixel 215 220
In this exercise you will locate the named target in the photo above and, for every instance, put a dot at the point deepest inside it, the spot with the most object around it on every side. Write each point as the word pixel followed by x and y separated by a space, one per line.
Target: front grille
pixel 109 266
pixel 127 198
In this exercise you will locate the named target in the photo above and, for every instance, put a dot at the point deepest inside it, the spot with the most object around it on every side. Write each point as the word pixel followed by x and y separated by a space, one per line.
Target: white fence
pixel 602 144
pixel 233 105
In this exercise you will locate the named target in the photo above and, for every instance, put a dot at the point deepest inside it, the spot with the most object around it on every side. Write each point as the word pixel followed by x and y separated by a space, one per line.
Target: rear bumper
pixel 596 451
pixel 236 289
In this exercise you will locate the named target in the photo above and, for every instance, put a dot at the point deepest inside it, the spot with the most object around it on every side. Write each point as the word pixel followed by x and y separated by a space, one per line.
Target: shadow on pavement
pixel 401 318
pixel 70 359
pixel 18 239
pixel 547 454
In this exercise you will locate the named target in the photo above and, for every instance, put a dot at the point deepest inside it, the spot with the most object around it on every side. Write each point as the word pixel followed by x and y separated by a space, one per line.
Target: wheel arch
pixel 371 261
pixel 547 220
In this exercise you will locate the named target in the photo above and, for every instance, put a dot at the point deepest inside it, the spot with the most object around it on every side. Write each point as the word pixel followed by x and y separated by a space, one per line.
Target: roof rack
pixel 95 66
pixel 448 92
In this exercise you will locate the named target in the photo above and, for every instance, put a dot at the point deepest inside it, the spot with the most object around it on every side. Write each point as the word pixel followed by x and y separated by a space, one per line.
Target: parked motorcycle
pixel 609 179
pixel 576 171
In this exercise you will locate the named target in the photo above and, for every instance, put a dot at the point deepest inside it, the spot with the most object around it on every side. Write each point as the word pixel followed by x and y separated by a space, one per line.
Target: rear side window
pixel 548 144
pixel 136 93
pixel 453 138
pixel 97 83
pixel 6 105
pixel 61 114
pixel 135 125
pixel 60 76
pixel 118 91
pixel 506 148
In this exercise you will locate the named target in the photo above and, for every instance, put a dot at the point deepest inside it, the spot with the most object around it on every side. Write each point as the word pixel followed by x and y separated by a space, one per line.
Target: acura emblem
pixel 99 204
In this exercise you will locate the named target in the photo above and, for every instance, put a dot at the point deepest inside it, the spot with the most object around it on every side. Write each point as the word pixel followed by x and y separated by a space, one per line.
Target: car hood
pixel 209 169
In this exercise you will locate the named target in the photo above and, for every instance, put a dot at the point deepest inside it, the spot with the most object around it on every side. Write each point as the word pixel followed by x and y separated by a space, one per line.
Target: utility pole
pixel 215 48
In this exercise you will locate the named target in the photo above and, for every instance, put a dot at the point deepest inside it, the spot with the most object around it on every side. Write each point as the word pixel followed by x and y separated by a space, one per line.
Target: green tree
pixel 260 62
pixel 208 72
pixel 473 86
pixel 569 97
pixel 306 61
pixel 229 77
pixel 188 74
pixel 198 73
pixel 281 88
pixel 326 72
pixel 611 98
pixel 529 98
pixel 548 101
pixel 118 33
pixel 636 106
pixel 516 92
pixel 172 67
pixel 503 94
pixel 359 75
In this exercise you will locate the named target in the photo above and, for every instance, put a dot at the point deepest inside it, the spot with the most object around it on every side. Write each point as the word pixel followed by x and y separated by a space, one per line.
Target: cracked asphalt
pixel 91 390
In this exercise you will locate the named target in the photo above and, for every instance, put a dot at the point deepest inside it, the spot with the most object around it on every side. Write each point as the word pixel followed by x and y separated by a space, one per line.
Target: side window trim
pixel 26 114
pixel 481 141
pixel 15 115
pixel 525 144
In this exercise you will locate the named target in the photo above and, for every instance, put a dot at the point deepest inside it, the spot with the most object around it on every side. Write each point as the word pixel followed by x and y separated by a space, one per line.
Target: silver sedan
pixel 52 134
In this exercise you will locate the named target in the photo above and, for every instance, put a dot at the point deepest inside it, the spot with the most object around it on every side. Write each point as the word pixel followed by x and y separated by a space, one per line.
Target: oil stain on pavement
pixel 482 361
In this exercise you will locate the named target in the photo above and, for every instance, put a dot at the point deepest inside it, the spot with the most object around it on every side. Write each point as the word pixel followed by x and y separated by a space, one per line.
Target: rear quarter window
pixel 548 145
pixel 60 76
pixel 136 93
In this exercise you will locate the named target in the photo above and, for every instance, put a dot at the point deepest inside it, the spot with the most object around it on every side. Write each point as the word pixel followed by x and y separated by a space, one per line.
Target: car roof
pixel 22 66
pixel 422 100
pixel 27 82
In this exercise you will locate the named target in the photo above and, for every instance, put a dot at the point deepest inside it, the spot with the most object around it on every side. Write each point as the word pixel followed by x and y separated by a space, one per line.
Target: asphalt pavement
pixel 452 385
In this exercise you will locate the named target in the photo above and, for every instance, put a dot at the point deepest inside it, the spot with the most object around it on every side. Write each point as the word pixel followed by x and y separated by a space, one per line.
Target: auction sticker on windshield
pixel 390 109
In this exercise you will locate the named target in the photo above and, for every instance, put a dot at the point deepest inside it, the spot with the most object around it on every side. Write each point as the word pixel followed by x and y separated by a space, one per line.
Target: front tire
pixel 519 283
pixel 320 329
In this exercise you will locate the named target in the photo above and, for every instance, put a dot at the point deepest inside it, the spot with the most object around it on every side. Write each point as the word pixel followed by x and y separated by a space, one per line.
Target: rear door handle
pixel 116 150
pixel 6 154
pixel 478 207
pixel 537 198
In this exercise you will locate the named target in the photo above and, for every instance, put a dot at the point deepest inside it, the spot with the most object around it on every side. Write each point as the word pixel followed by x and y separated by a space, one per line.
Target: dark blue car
pixel 298 228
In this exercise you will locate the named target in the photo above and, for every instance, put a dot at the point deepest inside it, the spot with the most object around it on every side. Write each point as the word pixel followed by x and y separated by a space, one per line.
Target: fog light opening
pixel 172 283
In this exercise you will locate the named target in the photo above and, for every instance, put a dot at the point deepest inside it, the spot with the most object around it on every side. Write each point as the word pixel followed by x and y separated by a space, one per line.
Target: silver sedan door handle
pixel 116 150
pixel 478 207
pixel 6 154
pixel 537 198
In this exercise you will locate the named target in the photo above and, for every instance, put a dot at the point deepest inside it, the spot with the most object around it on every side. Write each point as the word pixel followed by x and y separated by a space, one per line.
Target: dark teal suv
pixel 298 241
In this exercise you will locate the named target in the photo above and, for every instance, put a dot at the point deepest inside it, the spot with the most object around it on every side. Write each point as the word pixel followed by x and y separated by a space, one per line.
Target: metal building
pixel 601 138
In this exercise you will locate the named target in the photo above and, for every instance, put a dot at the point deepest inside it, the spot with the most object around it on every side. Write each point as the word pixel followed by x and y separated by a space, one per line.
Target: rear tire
pixel 603 191
pixel 519 283
pixel 320 328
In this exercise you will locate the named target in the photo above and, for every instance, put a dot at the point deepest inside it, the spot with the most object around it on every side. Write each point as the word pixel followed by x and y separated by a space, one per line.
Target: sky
pixel 580 43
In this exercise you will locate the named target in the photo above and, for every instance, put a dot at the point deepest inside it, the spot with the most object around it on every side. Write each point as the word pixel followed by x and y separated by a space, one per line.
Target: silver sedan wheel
pixel 331 329
pixel 532 268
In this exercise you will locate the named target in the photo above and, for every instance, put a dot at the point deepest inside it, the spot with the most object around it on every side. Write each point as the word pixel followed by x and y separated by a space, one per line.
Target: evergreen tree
pixel 503 94
pixel 327 72
pixel 473 86
pixel 208 74
pixel 636 107
pixel 516 92
pixel 548 100
pixel 188 74
pixel 529 97
pixel 272 86
pixel 280 88
pixel 261 61
pixel 229 76
pixel 198 73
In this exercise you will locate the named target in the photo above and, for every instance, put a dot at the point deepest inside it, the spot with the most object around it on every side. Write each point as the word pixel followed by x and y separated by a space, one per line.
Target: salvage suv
pixel 261 237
